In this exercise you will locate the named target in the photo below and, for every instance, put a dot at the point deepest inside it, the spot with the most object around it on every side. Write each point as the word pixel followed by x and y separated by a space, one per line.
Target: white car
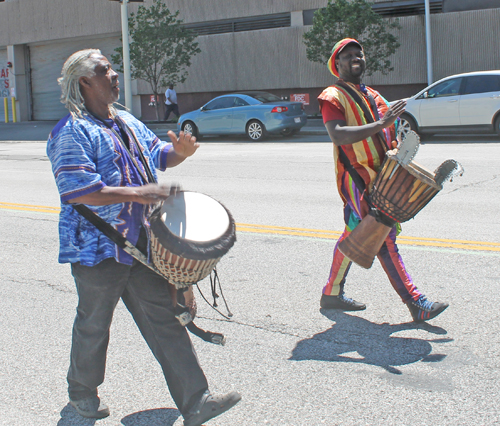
pixel 464 103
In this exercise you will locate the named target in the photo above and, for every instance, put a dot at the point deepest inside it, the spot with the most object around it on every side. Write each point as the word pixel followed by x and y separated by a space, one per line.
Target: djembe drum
pixel 190 232
pixel 401 189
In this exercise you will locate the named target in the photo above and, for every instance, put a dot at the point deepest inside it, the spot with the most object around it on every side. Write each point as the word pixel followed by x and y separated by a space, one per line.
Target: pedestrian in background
pixel 171 102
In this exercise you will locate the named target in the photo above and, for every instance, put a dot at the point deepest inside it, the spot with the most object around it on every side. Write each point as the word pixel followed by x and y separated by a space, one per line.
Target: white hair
pixel 79 64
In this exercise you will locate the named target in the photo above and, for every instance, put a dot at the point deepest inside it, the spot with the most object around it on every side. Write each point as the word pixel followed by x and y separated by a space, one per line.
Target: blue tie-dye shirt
pixel 86 155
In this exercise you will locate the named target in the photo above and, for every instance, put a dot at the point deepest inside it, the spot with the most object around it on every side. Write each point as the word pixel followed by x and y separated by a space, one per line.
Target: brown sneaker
pixel 423 310
pixel 210 406
pixel 340 302
pixel 91 407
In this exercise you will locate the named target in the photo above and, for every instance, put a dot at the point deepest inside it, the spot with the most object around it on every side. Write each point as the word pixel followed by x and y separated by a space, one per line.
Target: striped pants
pixel 355 209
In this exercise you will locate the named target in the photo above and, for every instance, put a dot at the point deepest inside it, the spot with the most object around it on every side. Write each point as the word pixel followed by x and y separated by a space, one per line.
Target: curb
pixel 162 130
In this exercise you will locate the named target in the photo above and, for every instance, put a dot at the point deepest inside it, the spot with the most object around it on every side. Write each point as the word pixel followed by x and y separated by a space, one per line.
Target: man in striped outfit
pixel 360 143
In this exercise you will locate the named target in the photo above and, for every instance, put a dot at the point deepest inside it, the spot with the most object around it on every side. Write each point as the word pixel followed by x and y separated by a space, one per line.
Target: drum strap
pixel 358 181
pixel 366 112
pixel 124 139
pixel 112 234
pixel 125 128
pixel 182 313
pixel 115 236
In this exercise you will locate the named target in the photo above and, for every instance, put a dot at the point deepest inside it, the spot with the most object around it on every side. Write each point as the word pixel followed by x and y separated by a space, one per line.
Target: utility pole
pixel 126 56
pixel 126 52
pixel 428 42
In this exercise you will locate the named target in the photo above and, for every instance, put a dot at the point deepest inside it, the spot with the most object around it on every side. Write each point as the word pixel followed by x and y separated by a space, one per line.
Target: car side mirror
pixel 202 109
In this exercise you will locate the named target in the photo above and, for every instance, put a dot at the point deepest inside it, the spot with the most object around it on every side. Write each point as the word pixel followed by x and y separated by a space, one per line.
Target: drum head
pixel 194 216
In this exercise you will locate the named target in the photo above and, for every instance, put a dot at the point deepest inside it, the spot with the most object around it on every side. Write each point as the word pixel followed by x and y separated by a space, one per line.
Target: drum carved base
pixel 180 271
pixel 364 242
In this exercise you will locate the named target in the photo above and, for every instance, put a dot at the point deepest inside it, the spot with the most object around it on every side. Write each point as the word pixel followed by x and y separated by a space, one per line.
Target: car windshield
pixel 446 88
pixel 265 97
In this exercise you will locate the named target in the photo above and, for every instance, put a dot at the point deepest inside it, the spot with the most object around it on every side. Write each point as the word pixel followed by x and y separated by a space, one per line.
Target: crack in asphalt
pixel 255 326
pixel 36 219
pixel 22 158
pixel 473 184
pixel 44 283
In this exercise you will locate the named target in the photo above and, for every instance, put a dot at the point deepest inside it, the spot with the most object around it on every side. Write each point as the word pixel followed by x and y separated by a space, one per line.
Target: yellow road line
pixel 29 207
pixel 307 232
pixel 413 241
pixel 276 229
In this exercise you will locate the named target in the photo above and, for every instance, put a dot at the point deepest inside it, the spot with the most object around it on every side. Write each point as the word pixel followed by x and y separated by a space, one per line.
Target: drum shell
pixel 401 191
pixel 185 262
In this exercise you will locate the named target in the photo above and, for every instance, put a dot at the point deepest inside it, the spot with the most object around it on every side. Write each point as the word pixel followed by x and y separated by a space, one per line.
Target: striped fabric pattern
pixel 367 155
pixel 86 156
pixel 355 209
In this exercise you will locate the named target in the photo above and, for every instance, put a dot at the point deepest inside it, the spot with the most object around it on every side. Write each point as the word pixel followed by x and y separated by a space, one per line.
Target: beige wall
pixel 272 59
pixel 30 21
pixel 268 58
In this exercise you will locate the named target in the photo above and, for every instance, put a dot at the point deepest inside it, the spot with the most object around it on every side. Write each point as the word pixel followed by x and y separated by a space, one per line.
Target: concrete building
pixel 245 44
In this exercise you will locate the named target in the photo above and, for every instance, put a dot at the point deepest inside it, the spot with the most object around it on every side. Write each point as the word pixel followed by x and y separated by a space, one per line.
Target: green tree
pixel 352 19
pixel 160 50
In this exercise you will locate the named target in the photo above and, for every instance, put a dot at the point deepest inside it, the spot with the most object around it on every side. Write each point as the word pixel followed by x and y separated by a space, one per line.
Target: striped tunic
pixel 86 156
pixel 367 155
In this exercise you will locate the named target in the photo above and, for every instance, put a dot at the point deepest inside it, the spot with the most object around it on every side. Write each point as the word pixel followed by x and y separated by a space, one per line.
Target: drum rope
pixel 213 287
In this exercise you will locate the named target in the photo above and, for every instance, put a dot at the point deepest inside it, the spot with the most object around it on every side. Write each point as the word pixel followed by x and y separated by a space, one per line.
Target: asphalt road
pixel 294 364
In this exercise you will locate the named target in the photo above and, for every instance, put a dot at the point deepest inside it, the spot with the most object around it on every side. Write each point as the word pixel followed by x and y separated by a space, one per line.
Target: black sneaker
pixel 91 407
pixel 210 406
pixel 340 302
pixel 423 310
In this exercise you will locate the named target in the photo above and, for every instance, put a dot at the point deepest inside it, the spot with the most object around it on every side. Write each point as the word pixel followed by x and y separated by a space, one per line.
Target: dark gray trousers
pixel 147 297
pixel 171 108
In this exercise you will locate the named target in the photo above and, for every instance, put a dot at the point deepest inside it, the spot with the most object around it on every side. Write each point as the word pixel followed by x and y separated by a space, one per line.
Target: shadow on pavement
pixel 69 417
pixel 372 342
pixel 155 417
pixel 459 138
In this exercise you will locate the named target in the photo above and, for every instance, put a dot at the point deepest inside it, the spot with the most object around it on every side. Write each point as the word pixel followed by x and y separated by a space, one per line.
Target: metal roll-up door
pixel 46 64
pixel 4 91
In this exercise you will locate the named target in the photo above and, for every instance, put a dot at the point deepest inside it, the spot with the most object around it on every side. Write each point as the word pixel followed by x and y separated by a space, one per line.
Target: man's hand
pixel 340 134
pixel 185 145
pixel 393 113
pixel 147 194
pixel 153 193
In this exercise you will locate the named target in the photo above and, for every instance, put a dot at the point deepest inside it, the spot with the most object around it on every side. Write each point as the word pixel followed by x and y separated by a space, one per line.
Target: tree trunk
pixel 157 107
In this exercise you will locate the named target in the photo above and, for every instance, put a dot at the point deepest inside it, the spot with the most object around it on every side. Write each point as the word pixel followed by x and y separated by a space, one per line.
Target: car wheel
pixel 426 136
pixel 497 125
pixel 406 125
pixel 256 130
pixel 190 127
pixel 289 132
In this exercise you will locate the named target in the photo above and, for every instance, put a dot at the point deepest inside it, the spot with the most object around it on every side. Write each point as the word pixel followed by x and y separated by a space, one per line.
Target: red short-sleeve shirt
pixel 331 112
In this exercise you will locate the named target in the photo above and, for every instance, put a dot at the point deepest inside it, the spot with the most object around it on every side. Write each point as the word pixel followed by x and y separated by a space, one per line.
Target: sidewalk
pixel 314 126
pixel 40 130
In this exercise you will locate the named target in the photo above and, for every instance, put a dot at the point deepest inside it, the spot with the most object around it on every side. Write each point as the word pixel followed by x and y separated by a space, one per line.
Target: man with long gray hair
pixel 96 159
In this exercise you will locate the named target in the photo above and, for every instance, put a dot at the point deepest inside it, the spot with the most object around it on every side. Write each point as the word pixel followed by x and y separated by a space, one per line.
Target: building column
pixel 18 79
pixel 297 19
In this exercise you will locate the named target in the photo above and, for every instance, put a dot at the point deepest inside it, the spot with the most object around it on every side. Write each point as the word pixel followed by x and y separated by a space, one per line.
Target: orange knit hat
pixel 339 46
